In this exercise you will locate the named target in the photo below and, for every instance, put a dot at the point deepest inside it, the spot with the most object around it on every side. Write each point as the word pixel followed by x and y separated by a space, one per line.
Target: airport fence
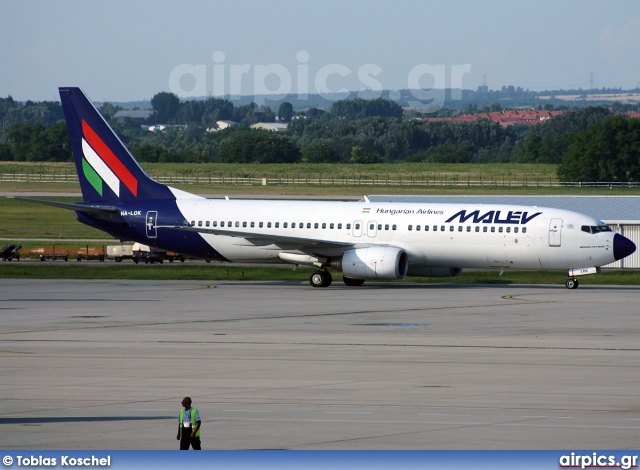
pixel 438 180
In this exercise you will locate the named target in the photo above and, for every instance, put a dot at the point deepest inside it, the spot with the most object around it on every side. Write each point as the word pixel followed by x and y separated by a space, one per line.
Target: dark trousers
pixel 186 440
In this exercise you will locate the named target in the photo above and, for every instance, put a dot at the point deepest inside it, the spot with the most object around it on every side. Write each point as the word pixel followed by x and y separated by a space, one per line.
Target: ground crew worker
pixel 189 426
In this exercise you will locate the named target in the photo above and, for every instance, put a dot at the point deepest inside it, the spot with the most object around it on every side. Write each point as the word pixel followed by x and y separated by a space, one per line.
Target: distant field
pixel 320 179
pixel 23 220
pixel 493 171
pixel 291 175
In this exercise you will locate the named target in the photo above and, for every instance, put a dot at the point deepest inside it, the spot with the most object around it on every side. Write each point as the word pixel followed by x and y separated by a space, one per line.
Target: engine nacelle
pixel 375 262
pixel 428 271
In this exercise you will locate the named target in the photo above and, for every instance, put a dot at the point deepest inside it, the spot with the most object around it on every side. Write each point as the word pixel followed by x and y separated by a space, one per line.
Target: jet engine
pixel 375 262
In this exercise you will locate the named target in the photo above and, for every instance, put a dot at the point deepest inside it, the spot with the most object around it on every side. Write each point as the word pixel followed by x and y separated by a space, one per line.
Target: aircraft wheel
pixel 572 283
pixel 320 279
pixel 348 281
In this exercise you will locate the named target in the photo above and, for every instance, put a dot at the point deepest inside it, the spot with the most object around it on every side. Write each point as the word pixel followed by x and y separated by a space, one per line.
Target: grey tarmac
pixel 276 365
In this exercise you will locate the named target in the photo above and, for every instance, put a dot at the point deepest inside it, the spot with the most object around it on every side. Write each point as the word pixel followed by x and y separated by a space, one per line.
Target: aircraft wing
pixel 88 209
pixel 282 239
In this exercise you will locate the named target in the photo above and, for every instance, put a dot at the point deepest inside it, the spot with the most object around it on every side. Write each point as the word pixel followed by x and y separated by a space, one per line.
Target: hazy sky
pixel 120 50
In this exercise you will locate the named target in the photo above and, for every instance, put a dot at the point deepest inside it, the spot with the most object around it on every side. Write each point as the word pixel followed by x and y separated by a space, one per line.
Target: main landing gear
pixel 320 279
pixel 572 283
pixel 323 279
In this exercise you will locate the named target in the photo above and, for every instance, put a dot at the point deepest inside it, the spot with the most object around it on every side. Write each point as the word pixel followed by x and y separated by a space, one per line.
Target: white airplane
pixel 365 240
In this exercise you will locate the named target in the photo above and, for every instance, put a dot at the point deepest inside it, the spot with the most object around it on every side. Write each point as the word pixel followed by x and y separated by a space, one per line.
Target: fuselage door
pixel 151 222
pixel 555 232
pixel 357 228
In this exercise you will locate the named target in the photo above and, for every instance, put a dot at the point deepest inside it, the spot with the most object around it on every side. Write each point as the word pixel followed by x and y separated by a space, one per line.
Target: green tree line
pixel 587 143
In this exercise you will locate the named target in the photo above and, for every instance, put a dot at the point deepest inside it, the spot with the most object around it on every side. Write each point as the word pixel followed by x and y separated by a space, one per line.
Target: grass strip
pixel 200 271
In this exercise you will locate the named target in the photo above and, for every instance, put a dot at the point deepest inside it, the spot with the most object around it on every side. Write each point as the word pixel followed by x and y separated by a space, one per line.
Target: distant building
pixel 226 124
pixel 138 115
pixel 164 127
pixel 223 125
pixel 527 117
pixel 270 126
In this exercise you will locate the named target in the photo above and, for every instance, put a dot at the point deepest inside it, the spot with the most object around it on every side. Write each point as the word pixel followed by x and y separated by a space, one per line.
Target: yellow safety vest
pixel 193 420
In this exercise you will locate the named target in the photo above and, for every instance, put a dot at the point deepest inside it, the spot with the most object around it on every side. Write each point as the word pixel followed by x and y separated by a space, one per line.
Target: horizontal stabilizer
pixel 87 209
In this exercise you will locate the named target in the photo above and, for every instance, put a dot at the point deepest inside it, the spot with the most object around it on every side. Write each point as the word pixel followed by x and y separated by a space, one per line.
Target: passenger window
pixel 357 227
pixel 206 223
pixel 460 228
pixel 515 230
pixel 371 226
pixel 301 225
pixel 451 228
pixel 331 226
pixel 215 223
pixel 349 227
pixel 442 228
pixel 435 228
pixel 253 224
pixel 193 223
pixel 315 225
pixel 237 224
pixel 379 226
pixel 410 227
pixel 393 227
pixel 284 225
pixel 229 224
pixel 508 229
pixel 386 226
pixel 293 225
pixel 524 229
pixel 426 228
pixel 477 228
pixel 222 224
pixel 493 229
pixel 417 228
pixel 244 224
pixel 199 223
pixel 309 225
pixel 268 224
pixel 339 226
pixel 261 224
pixel 500 229
pixel 324 225
pixel 277 224
pixel 484 229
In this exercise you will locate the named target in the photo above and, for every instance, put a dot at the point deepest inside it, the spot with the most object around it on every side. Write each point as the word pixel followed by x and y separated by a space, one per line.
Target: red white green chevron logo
pixel 100 165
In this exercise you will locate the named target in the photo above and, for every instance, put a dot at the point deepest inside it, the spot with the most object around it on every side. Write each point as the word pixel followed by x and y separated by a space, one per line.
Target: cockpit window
pixel 595 228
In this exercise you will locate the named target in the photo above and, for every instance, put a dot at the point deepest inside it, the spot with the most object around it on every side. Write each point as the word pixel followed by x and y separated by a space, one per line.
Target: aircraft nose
pixel 622 247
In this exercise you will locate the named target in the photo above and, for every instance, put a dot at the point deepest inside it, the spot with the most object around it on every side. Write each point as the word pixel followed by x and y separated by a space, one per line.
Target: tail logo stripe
pixel 105 154
pixel 91 175
pixel 100 168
